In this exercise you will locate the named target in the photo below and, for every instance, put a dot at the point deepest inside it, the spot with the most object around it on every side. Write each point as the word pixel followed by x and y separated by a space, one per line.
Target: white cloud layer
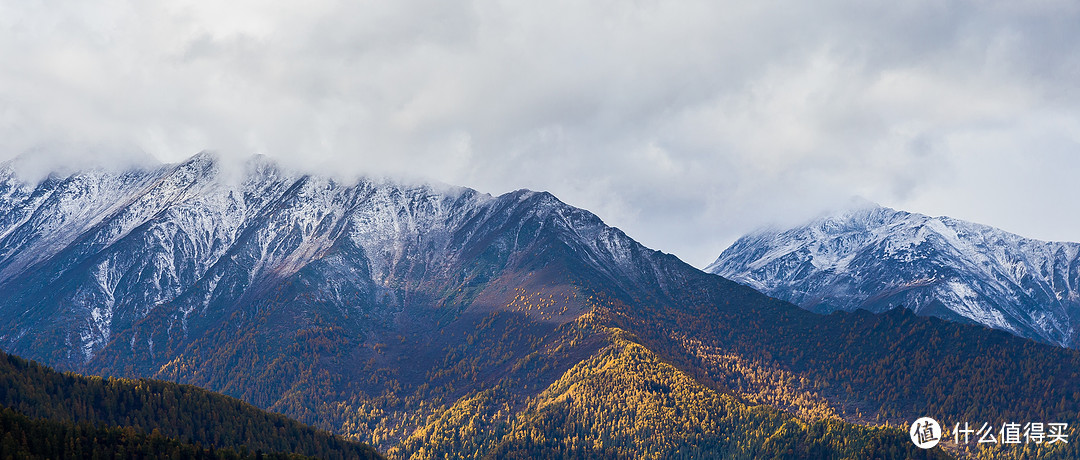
pixel 685 123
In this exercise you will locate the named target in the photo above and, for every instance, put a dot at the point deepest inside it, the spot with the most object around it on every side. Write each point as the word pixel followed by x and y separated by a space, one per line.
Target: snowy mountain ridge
pixel 877 258
pixel 87 255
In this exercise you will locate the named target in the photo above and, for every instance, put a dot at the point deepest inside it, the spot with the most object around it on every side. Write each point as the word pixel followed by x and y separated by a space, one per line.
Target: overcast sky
pixel 685 123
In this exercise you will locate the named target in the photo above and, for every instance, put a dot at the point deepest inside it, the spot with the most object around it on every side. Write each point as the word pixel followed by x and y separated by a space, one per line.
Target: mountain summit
pixel 877 258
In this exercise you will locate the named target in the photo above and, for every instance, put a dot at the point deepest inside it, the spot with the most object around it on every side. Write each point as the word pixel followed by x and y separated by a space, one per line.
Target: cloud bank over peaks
pixel 684 123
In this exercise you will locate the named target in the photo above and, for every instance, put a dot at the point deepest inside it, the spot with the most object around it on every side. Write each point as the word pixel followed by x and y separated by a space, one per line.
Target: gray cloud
pixel 684 123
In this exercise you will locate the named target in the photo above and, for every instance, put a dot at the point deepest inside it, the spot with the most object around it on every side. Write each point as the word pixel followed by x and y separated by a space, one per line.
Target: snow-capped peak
pixel 879 258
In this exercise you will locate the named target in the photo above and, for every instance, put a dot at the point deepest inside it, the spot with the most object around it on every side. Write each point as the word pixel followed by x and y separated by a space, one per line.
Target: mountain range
pixel 435 321
pixel 876 258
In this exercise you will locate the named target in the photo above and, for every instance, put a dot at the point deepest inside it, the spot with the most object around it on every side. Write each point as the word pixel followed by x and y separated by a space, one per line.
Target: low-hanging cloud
pixel 684 123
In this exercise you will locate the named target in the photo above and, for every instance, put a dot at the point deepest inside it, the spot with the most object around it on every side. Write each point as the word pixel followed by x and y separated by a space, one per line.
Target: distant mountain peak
pixel 877 258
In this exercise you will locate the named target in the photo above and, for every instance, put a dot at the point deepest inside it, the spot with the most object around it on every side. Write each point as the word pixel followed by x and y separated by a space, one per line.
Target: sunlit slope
pixel 626 402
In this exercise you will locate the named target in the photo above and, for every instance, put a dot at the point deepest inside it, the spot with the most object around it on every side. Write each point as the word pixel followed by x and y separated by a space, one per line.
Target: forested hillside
pixel 866 368
pixel 625 402
pixel 47 412
pixel 33 439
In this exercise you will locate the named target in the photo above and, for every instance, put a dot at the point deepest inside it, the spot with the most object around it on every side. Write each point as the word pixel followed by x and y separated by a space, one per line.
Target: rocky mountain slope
pixel 877 258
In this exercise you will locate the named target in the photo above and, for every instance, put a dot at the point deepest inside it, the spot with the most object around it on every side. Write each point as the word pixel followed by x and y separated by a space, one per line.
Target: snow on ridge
pixel 77 204
pixel 991 276
pixel 188 238
pixel 157 233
